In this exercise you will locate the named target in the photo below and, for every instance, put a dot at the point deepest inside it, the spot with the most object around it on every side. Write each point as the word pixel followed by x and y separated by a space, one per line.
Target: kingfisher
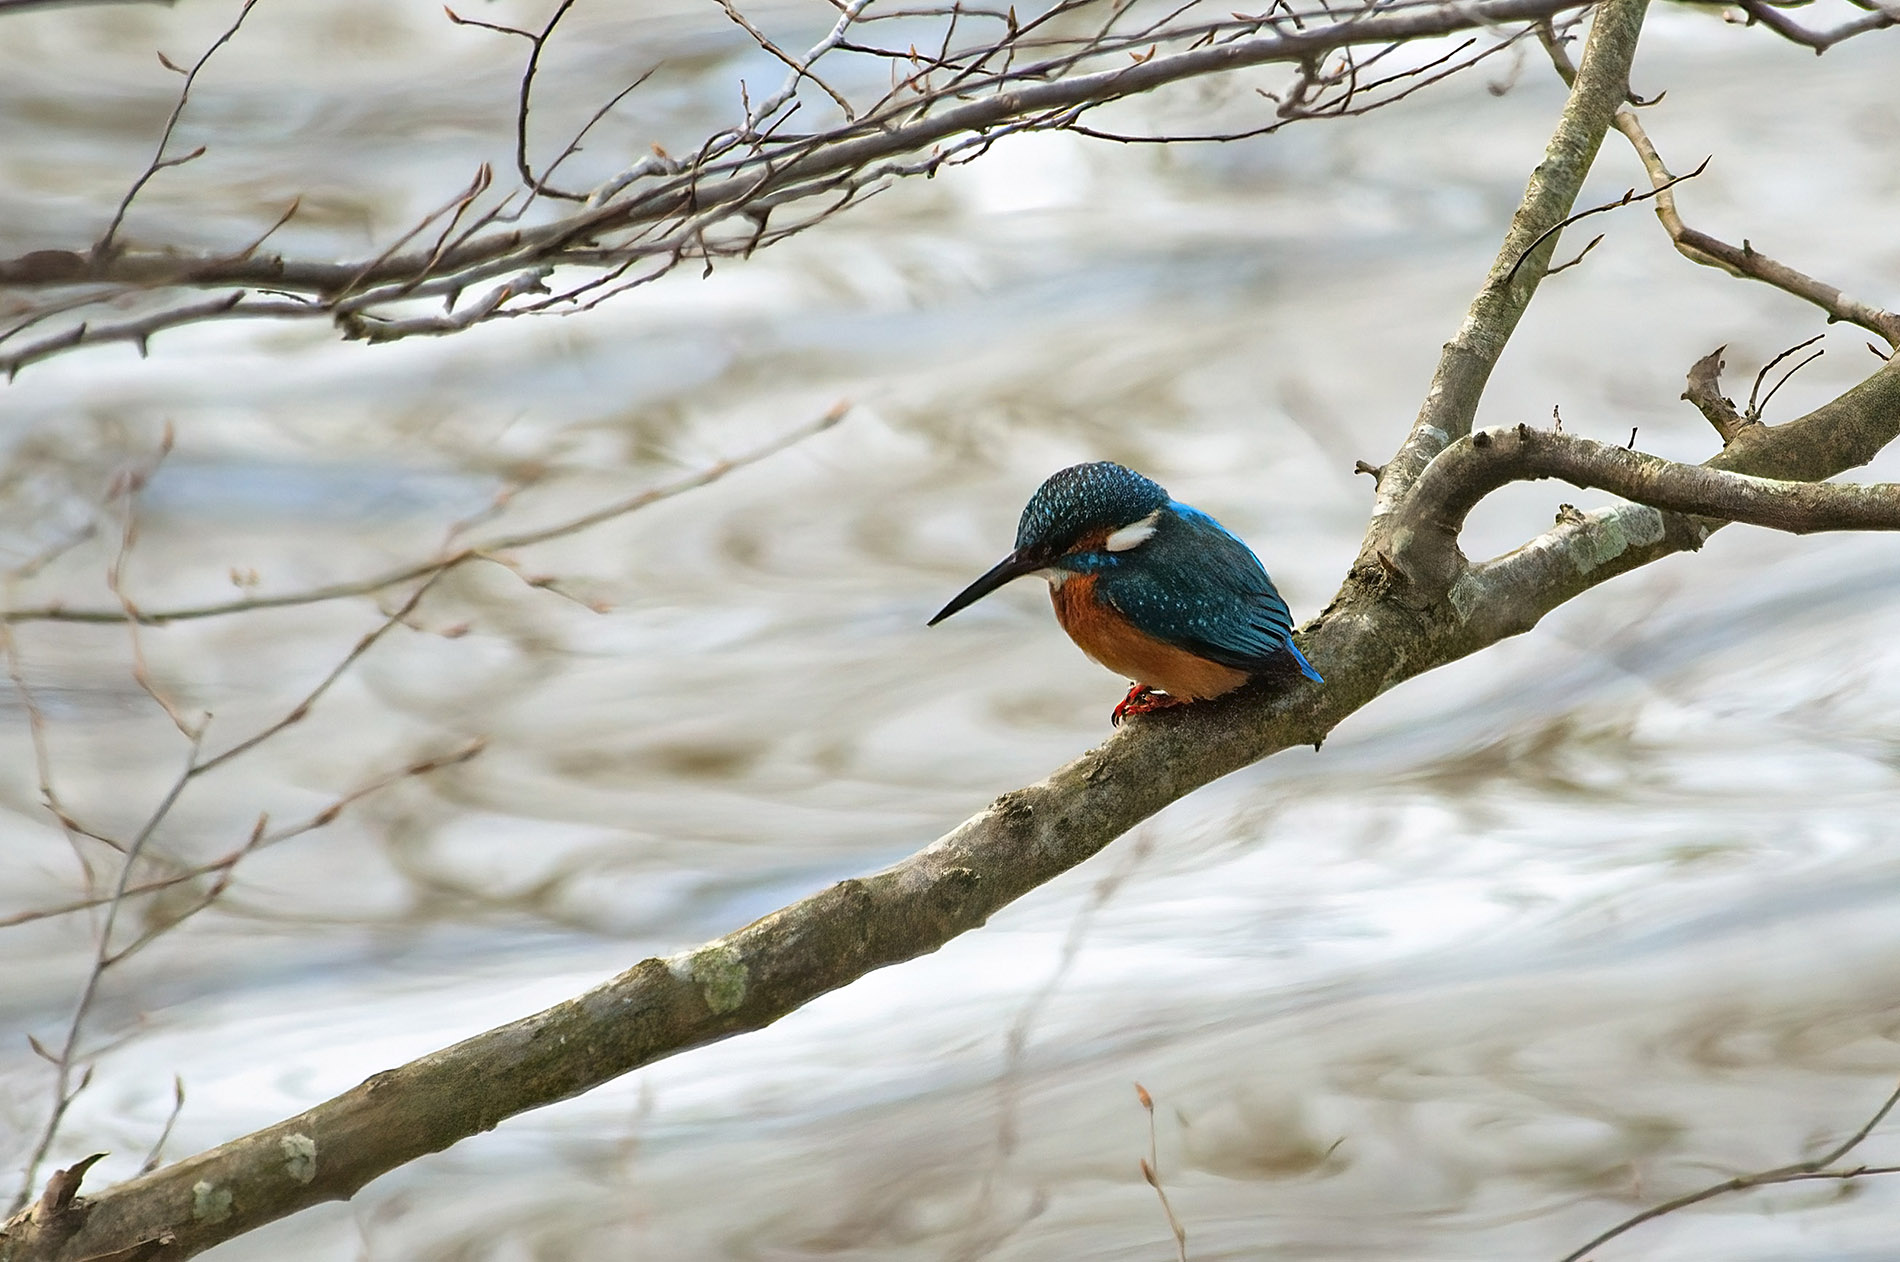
pixel 1151 588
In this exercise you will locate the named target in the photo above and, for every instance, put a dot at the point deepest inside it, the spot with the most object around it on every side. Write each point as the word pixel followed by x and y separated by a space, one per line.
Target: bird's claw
pixel 1142 699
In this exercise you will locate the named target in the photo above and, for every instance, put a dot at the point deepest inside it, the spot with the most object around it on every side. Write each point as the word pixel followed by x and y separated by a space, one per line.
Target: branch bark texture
pixel 1464 367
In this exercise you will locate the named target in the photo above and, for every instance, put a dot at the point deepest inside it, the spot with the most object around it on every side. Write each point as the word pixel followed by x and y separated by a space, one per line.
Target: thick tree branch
pixel 741 982
pixel 1508 595
pixel 1364 643
pixel 1479 464
pixel 1451 402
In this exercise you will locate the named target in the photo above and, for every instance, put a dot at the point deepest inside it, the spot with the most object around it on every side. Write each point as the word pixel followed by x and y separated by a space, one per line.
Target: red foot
pixel 1142 699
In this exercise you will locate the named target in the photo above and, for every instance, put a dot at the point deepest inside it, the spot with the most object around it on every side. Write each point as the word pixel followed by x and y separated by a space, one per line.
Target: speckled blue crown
pixel 1086 497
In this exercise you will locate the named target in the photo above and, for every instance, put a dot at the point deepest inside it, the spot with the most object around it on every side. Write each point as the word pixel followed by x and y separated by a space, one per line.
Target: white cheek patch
pixel 1134 534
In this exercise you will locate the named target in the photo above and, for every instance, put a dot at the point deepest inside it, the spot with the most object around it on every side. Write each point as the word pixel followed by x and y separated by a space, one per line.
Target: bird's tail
pixel 1306 667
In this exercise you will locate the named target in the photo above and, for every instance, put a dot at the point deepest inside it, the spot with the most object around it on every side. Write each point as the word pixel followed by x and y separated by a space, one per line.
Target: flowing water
pixel 1598 916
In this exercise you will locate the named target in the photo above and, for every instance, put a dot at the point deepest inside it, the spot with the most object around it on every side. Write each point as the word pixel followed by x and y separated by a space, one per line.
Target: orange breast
pixel 1113 641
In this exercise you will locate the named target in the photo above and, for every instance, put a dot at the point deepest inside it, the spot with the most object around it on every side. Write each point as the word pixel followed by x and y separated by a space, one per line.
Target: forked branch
pixel 1744 260
pixel 1817 1168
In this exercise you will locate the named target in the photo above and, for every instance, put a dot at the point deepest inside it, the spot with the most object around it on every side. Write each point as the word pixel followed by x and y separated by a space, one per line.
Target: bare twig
pixel 217 868
pixel 301 710
pixel 1348 104
pixel 459 556
pixel 1151 1172
pixel 1582 254
pixel 1628 198
pixel 800 69
pixel 102 249
pixel 157 1152
pixel 1755 409
pixel 115 583
pixel 1820 41
pixel 1800 1171
pixel 139 332
pixel 67 1057
pixel 340 298
pixel 537 44
pixel 662 211
pixel 1745 262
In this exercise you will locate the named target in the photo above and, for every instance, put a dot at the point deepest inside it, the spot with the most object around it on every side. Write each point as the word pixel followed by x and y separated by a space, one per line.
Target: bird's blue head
pixel 1076 509
pixel 1081 501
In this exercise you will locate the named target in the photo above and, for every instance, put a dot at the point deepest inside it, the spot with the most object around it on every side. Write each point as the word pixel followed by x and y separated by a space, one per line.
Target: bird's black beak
pixel 1015 565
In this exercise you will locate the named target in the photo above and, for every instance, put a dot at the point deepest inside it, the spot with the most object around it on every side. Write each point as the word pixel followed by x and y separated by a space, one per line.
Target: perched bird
pixel 1152 589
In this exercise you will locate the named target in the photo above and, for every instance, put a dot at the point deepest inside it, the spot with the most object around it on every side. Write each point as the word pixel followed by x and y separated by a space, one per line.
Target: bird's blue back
pixel 1195 586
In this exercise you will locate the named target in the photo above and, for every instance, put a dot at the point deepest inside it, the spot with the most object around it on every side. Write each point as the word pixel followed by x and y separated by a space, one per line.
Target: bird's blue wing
pixel 1195 586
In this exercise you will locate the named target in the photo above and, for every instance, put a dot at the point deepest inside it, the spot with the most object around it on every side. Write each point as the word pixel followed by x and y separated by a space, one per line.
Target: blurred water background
pixel 1598 916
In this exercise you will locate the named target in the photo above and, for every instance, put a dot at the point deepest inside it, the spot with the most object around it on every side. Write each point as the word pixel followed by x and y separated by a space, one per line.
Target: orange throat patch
pixel 1111 639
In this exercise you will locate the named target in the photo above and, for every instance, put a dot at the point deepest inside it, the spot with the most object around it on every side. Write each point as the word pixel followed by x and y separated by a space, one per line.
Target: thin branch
pixel 423 569
pixel 1151 1174
pixel 157 1152
pixel 103 248
pixel 42 759
pixel 1755 409
pixel 115 583
pixel 737 176
pixel 1582 254
pixel 537 44
pixel 573 146
pixel 340 297
pixel 298 712
pixel 1745 262
pixel 1628 198
pixel 1434 72
pixel 1800 1171
pixel 359 327
pixel 140 332
pixel 257 242
pixel 219 867
pixel 1820 41
pixel 800 69
pixel 67 1058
